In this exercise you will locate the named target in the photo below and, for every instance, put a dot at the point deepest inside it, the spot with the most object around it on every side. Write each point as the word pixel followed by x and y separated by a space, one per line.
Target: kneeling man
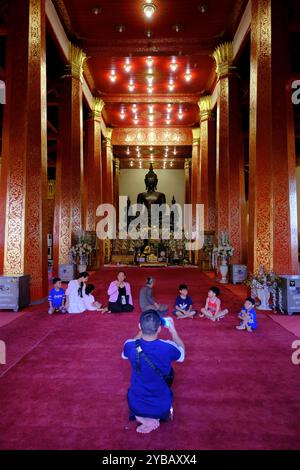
pixel 150 396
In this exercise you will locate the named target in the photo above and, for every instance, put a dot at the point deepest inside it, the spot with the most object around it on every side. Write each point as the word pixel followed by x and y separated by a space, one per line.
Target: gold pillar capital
pixel 223 56
pixel 205 107
pixel 77 60
pixel 97 108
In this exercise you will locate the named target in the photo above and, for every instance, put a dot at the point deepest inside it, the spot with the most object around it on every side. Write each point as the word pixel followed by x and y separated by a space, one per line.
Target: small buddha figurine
pixel 151 196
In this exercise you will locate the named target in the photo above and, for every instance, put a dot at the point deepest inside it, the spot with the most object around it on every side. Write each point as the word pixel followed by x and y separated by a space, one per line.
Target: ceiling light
pixel 177 27
pixel 127 65
pixel 168 121
pixel 169 107
pixel 149 61
pixel 188 76
pixel 136 121
pixel 151 108
pixel 96 10
pixel 149 10
pixel 131 163
pixel 122 114
pixel 113 76
pixel 127 151
pixel 203 8
pixel 171 163
pixel 134 108
pixel 174 64
pixel 131 85
pixel 171 86
pixel 149 79
pixel 150 89
pixel 174 151
pixel 149 33
pixel 120 28
pixel 151 117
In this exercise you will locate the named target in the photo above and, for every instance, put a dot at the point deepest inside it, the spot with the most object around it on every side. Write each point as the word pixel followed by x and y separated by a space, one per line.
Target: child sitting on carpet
pixel 90 302
pixel 248 316
pixel 184 304
pixel 212 309
pixel 56 297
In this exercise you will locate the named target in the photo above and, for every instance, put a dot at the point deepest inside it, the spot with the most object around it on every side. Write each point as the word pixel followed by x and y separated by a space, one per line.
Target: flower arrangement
pixel 223 249
pixel 263 283
pixel 82 249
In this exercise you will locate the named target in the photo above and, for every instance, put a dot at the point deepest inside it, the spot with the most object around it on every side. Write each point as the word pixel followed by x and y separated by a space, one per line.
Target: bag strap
pixel 140 352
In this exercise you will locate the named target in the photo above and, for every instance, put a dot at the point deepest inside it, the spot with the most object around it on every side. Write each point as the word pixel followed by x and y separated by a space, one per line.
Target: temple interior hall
pixel 109 108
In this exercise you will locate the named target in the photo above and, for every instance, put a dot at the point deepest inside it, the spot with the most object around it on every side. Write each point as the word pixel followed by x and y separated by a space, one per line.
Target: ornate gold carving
pixel 196 136
pixel 146 136
pixel 63 13
pixel 223 56
pixel 51 189
pixel 187 164
pixel 117 164
pixel 77 60
pixel 205 108
pixel 97 108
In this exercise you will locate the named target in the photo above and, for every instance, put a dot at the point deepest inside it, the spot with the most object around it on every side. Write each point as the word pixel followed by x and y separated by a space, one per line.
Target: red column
pixel 207 163
pixel 69 167
pixel 23 198
pixel 93 167
pixel 230 177
pixel 272 188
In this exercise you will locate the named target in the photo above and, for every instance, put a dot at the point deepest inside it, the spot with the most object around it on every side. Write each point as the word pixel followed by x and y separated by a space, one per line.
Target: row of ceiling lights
pixel 150 74
pixel 151 150
pixel 171 163
pixel 151 114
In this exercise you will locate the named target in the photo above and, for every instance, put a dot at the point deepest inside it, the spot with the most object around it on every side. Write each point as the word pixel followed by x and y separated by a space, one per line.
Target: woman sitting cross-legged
pixel 119 292
pixel 75 294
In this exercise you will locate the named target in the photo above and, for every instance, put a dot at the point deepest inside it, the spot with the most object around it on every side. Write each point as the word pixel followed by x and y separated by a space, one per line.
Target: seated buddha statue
pixel 151 196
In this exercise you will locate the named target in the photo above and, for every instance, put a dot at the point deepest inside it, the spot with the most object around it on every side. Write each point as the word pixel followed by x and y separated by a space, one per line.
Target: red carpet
pixel 64 385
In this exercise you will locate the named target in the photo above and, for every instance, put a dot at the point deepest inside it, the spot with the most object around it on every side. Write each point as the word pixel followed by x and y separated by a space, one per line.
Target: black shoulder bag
pixel 169 379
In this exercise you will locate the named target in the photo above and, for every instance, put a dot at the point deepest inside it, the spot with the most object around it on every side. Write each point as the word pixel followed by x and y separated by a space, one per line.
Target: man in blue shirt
pixel 149 396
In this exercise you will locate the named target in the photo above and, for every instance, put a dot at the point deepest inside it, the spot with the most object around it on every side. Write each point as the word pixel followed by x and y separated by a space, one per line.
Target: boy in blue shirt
pixel 56 297
pixel 184 304
pixel 248 316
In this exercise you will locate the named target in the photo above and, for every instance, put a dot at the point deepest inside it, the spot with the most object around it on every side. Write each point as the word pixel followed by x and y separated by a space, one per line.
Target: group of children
pixel 183 305
pixel 57 299
pixel 212 310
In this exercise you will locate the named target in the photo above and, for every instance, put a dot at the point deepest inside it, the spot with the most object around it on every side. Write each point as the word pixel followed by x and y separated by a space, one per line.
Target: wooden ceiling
pixel 116 34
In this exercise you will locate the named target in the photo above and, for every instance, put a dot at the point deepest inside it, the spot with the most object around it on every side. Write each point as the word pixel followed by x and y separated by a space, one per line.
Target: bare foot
pixel 147 425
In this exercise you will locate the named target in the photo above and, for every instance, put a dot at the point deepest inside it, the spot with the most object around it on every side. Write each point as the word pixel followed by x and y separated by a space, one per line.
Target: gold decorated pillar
pixel 107 169
pixel 195 186
pixel 207 162
pixel 187 177
pixel 93 166
pixel 230 176
pixel 23 198
pixel 273 238
pixel 116 163
pixel 69 166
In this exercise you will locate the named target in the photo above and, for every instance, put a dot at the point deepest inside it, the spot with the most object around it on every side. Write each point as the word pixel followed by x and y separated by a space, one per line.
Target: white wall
pixel 170 182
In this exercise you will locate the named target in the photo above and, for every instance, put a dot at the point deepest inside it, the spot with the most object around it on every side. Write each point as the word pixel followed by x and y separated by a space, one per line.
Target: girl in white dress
pixel 75 294
pixel 89 300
